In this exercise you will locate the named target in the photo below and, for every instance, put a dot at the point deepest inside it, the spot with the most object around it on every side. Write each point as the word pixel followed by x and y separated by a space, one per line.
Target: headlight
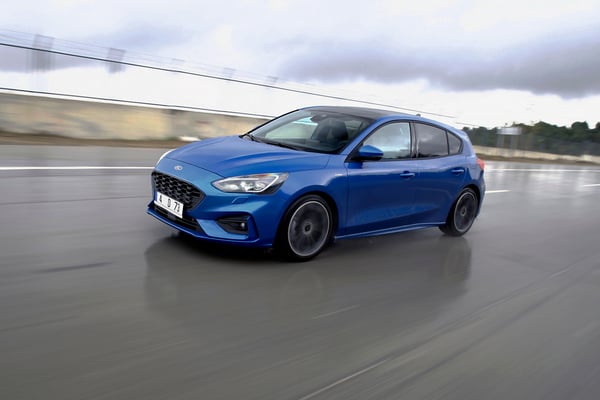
pixel 163 156
pixel 259 183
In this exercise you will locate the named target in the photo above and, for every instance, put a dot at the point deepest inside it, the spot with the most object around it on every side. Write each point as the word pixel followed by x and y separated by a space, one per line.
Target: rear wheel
pixel 306 229
pixel 462 214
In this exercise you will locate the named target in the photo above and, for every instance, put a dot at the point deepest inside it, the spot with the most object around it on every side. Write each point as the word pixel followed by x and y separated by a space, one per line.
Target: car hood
pixel 232 156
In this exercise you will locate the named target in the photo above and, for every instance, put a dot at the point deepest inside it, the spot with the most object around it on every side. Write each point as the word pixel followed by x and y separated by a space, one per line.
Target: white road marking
pixel 338 382
pixel 73 168
pixel 538 170
pixel 341 310
pixel 592 185
pixel 497 191
pixel 83 167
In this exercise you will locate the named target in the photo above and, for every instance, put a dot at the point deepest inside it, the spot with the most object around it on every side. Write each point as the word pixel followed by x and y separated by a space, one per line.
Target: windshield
pixel 311 130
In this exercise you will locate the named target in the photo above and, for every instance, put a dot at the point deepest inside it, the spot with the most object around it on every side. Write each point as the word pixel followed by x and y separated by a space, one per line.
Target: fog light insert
pixel 237 225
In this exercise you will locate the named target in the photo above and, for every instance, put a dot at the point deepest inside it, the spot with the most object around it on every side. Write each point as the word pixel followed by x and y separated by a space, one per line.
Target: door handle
pixel 458 171
pixel 407 174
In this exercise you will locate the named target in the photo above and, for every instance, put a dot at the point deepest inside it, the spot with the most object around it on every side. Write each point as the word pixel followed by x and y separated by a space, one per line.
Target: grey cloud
pixel 566 67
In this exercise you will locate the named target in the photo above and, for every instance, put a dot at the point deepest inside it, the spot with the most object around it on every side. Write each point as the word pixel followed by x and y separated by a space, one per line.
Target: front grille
pixel 177 189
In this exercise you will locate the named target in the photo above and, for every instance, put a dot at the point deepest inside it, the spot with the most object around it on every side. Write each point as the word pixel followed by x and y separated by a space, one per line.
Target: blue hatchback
pixel 317 174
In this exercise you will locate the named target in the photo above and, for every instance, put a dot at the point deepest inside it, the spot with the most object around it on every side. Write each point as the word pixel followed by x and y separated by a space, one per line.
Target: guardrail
pixel 512 154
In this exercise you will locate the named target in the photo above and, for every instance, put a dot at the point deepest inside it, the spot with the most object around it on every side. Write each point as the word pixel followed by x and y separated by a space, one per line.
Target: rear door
pixel 441 171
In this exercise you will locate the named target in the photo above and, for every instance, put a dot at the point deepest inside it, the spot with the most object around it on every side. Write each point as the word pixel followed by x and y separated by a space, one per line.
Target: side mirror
pixel 368 153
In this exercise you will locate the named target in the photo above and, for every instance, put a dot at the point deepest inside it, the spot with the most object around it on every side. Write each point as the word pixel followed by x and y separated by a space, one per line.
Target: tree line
pixel 577 139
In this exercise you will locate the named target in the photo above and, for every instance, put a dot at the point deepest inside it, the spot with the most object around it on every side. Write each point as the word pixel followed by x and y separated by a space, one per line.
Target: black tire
pixel 462 214
pixel 305 229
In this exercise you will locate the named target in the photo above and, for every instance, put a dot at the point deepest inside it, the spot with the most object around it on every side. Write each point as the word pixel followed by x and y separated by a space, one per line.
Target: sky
pixel 488 63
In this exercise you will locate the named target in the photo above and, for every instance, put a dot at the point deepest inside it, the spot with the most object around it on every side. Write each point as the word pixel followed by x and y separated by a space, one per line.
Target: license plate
pixel 171 205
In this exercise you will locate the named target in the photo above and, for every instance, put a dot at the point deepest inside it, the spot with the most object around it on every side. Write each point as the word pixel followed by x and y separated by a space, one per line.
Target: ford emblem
pixel 178 168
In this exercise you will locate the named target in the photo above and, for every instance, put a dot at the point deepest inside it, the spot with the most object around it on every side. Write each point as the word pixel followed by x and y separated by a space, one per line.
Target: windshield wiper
pixel 248 136
pixel 285 145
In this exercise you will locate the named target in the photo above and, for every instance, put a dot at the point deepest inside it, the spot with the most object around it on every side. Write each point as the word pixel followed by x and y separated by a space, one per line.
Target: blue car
pixel 318 174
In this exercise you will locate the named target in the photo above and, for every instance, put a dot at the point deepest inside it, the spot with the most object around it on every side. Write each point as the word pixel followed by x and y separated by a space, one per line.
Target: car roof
pixel 371 113
pixel 376 114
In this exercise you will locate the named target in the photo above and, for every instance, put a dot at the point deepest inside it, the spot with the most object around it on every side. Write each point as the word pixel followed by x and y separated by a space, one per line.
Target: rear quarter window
pixel 454 144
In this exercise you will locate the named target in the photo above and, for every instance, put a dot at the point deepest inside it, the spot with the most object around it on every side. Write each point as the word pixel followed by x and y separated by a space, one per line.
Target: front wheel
pixel 462 214
pixel 305 229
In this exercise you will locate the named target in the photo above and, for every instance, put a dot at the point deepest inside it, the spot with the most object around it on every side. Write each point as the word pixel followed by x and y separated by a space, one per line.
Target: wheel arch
pixel 477 191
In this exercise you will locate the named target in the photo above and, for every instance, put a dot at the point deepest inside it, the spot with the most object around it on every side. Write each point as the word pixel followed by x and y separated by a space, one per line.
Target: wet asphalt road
pixel 100 301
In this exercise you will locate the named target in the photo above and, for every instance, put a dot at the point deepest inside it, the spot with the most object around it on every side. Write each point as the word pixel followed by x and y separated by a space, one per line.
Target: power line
pixel 222 78
pixel 140 103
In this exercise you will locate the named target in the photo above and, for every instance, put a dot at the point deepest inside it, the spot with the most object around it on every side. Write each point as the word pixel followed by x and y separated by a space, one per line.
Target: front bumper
pixel 211 229
pixel 233 218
